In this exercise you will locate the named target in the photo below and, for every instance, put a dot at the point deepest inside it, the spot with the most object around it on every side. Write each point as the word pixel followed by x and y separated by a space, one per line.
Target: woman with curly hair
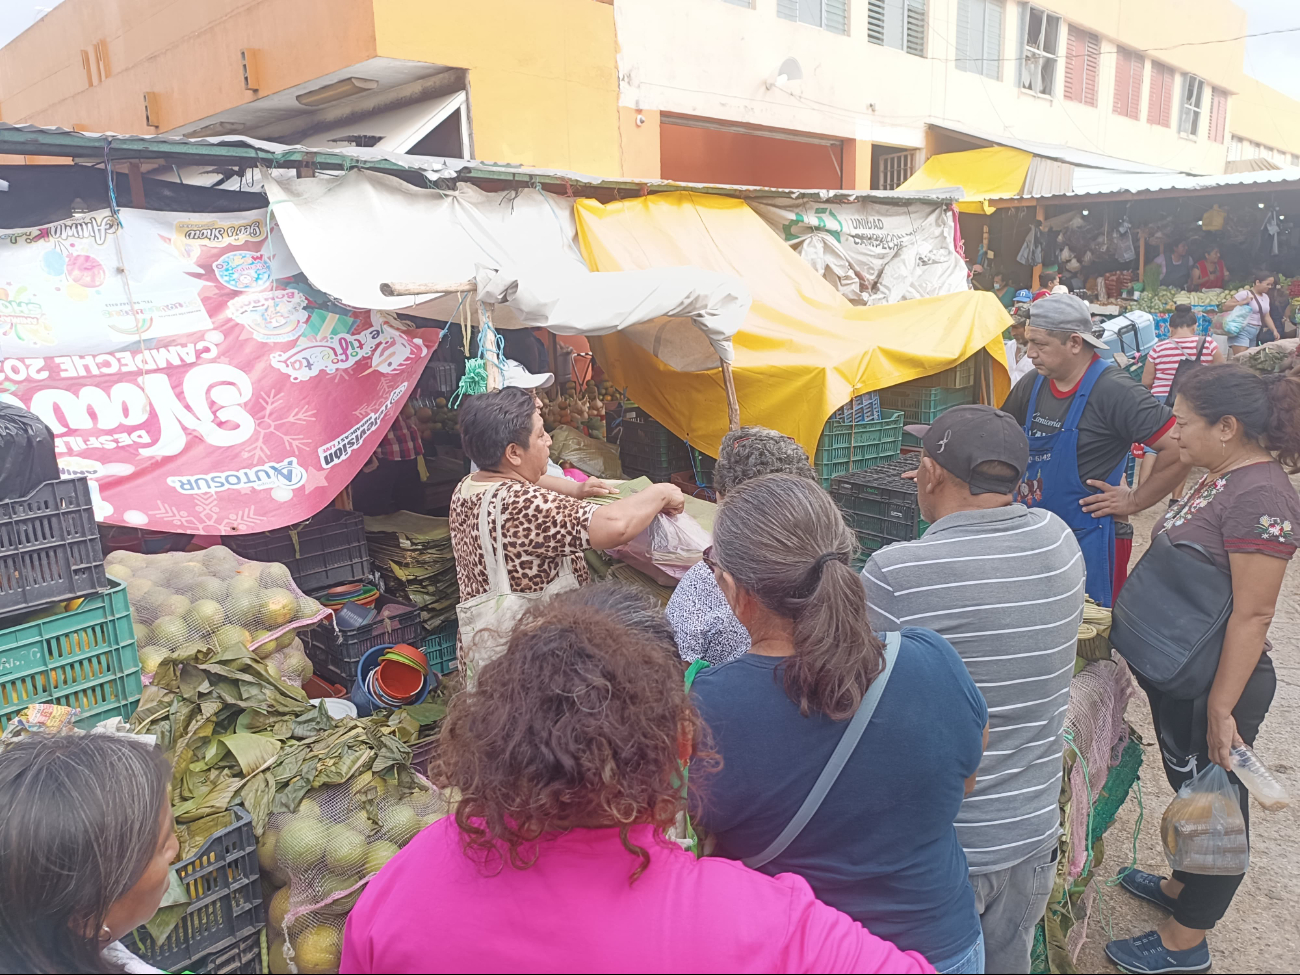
pixel 568 757
pixel 706 627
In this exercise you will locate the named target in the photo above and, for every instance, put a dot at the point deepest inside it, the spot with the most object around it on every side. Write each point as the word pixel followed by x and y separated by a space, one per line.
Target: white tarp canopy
pixel 873 253
pixel 518 245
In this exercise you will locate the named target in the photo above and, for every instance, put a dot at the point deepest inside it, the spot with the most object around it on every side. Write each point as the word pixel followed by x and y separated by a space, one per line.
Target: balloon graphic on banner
pixel 86 271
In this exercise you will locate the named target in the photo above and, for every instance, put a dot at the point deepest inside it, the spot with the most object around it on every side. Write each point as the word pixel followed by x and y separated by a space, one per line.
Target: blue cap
pixel 1024 295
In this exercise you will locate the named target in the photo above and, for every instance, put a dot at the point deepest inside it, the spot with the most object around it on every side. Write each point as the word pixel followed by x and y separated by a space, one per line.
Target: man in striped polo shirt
pixel 1004 584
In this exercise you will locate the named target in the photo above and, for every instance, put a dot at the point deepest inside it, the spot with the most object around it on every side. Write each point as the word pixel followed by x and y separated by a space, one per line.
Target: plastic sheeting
pixel 983 174
pixel 803 350
pixel 872 253
pixel 351 234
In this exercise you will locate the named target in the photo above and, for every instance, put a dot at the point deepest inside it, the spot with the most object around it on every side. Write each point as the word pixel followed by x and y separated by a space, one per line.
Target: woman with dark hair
pixel 542 534
pixel 881 845
pixel 1244 429
pixel 1260 321
pixel 631 607
pixel 706 627
pixel 568 760
pixel 1210 273
pixel 86 845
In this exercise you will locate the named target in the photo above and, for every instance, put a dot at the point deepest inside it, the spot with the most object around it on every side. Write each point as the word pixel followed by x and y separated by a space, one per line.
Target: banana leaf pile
pixel 235 734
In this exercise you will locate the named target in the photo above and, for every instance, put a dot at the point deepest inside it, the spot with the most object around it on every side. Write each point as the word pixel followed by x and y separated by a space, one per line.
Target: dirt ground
pixel 1261 932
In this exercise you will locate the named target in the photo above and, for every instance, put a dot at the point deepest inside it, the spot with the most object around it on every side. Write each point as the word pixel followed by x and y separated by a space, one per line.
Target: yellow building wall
pixel 185 52
pixel 543 83
pixel 1265 115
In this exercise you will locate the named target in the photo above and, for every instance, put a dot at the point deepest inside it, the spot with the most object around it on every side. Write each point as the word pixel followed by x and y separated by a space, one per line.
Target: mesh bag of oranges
pixel 316 860
pixel 213 598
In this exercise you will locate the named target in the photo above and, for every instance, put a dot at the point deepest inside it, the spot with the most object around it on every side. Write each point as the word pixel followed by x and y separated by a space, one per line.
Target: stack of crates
pixel 57 647
pixel 647 448
pixel 846 447
pixel 922 400
pixel 880 505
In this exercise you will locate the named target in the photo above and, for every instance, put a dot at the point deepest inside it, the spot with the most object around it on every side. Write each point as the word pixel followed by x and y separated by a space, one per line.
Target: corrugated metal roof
pixel 1065 154
pixel 1095 182
pixel 35 140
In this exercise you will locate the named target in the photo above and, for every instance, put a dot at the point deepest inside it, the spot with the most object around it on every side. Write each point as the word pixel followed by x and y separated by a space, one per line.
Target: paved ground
pixel 1261 932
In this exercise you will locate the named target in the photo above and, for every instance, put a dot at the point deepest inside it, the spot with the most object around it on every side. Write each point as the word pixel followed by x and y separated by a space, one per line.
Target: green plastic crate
pixel 962 374
pixel 440 647
pixel 846 447
pixel 85 659
pixel 922 404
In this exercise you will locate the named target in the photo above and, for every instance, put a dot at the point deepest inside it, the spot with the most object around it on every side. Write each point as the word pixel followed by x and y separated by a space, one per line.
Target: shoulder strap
pixel 1200 347
pixel 494 557
pixel 848 742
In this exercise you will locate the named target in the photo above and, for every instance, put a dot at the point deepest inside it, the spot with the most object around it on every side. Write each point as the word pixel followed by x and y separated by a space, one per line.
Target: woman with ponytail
pixel 1244 429
pixel 880 845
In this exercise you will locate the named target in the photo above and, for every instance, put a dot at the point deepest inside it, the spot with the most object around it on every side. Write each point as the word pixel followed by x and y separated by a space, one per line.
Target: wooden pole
pixel 1040 215
pixel 136 181
pixel 733 404
pixel 395 289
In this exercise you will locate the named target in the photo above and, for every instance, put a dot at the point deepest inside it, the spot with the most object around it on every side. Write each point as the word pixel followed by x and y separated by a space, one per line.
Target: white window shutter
pixel 787 9
pixel 835 16
pixel 966 39
pixel 993 39
pixel 914 41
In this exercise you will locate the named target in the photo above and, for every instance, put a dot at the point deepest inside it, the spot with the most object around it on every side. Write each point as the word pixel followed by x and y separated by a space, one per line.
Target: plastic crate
pixel 861 409
pixel 845 447
pixel 702 467
pixel 879 502
pixel 327 549
pixel 921 404
pixel 49 546
pixel 959 375
pixel 244 957
pixel 85 658
pixel 225 906
pixel 440 647
pixel 339 651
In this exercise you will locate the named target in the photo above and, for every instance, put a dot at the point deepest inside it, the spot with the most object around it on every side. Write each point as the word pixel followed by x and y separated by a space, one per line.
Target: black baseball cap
pixel 962 438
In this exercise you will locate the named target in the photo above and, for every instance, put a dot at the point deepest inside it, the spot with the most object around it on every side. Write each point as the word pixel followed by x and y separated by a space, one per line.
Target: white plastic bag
pixel 1203 829
pixel 671 543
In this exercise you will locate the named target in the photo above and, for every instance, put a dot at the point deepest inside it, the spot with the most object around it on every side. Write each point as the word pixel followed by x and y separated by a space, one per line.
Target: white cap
pixel 1060 289
pixel 517 375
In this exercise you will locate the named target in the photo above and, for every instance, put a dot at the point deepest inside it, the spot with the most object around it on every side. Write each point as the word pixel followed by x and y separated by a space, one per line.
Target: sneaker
pixel 1139 883
pixel 1147 955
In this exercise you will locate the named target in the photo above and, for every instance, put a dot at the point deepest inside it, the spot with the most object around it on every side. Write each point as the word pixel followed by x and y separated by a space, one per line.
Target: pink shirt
pixel 433 909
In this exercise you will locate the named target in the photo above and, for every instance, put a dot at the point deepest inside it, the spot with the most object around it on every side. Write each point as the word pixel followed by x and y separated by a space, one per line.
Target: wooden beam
pixel 733 404
pixel 136 180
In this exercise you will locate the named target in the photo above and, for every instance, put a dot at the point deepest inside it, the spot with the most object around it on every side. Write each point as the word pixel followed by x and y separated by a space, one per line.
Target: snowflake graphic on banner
pixel 282 424
pixel 206 519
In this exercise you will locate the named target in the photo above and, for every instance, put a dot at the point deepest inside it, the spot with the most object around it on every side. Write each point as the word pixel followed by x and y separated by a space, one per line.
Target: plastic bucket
pixel 367 705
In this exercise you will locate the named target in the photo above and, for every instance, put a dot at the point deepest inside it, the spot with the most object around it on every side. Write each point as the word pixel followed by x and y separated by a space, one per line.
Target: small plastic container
pixel 366 702
pixel 1257 779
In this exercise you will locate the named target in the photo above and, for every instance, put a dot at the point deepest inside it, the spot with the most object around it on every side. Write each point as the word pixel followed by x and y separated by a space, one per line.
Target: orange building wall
pixel 187 51
pixel 710 156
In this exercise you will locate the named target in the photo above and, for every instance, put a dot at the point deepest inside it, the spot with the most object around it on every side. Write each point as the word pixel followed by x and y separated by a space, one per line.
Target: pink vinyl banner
pixel 191 372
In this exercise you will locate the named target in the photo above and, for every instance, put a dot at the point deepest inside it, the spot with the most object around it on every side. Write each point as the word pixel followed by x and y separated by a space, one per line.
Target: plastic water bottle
pixel 1257 779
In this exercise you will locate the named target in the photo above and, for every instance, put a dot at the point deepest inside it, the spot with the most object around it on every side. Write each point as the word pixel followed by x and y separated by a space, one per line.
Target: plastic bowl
pixel 415 655
pixel 366 703
pixel 398 681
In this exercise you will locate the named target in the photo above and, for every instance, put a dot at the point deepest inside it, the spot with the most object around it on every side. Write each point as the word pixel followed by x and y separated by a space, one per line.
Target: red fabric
pixel 1208 280
pixel 1155 437
pixel 1041 293
pixel 1123 552
pixel 402 442
pixel 1067 393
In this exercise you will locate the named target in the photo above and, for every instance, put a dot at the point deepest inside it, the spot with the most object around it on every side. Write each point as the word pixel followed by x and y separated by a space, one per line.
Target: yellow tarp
pixel 983 173
pixel 804 350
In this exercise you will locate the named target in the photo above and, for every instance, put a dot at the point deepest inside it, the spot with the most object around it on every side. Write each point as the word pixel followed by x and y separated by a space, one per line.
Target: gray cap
pixel 1064 313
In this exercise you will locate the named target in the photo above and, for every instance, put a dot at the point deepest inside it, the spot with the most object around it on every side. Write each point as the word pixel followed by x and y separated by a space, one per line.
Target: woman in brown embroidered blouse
pixel 1243 428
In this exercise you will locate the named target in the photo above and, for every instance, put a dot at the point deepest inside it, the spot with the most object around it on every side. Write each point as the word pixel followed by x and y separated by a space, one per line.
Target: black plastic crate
pixel 880 503
pixel 49 546
pixel 339 651
pixel 226 902
pixel 244 957
pixel 327 549
pixel 640 429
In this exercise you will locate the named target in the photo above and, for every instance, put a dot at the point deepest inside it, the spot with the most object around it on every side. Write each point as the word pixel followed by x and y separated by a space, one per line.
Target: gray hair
pixel 754 451
pixel 782 539
pixel 79 819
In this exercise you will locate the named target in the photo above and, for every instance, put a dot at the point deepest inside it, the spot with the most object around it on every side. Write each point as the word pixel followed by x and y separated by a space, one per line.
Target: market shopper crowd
pixel 792 801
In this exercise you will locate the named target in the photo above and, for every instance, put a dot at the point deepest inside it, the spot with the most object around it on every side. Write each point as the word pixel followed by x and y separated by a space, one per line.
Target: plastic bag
pixel 569 448
pixel 1203 829
pixel 670 543
pixel 317 859
pixel 214 597
pixel 26 453
pixel 1236 320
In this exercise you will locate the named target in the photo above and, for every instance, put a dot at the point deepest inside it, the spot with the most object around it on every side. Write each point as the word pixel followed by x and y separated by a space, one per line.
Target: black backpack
pixel 1184 368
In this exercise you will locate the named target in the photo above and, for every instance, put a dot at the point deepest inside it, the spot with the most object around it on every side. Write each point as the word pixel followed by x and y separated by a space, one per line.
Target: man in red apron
pixel 1082 415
